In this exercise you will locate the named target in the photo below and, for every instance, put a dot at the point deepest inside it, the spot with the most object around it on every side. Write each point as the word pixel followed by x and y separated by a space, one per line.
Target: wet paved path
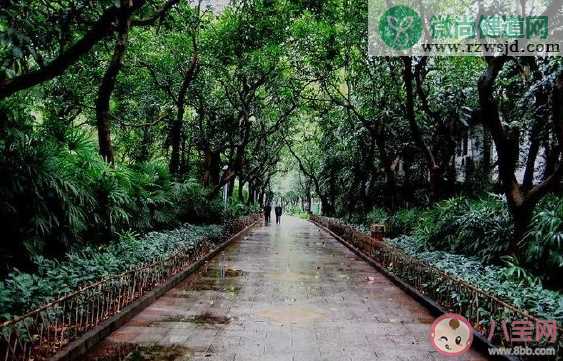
pixel 285 292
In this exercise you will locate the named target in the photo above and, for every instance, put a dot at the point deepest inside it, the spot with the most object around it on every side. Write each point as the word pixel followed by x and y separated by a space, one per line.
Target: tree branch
pixel 101 29
pixel 159 15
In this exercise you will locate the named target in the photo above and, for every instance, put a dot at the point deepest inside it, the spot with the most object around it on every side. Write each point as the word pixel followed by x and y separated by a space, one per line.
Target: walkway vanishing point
pixel 284 292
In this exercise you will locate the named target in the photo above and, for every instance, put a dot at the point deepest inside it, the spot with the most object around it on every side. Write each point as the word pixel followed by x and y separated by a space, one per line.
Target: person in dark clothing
pixel 278 210
pixel 267 211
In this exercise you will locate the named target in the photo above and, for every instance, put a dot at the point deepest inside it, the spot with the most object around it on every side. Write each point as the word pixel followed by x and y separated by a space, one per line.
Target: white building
pixel 471 153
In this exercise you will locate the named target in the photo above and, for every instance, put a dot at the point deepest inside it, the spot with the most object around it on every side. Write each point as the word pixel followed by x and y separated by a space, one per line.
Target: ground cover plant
pixel 53 278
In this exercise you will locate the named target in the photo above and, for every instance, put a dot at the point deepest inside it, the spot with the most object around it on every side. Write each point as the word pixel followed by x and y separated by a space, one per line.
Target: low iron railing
pixel 39 334
pixel 448 291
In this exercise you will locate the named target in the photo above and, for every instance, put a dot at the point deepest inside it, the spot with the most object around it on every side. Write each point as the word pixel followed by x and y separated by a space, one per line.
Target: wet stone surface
pixel 285 292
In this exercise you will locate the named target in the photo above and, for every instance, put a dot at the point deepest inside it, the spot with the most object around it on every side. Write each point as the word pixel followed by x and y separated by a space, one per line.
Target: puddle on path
pixel 206 284
pixel 210 279
pixel 221 279
pixel 233 272
pixel 209 318
pixel 290 314
pixel 204 318
pixel 135 352
pixel 224 272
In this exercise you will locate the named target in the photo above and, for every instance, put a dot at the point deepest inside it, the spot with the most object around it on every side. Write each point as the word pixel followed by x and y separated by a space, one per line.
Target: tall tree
pixel 521 200
pixel 108 82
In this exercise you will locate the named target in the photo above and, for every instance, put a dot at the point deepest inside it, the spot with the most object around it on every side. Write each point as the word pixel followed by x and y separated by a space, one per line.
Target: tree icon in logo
pixel 400 27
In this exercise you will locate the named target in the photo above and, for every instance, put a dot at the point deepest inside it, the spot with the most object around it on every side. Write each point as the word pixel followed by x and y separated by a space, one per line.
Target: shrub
pixel 48 200
pixel 22 291
pixel 481 227
pixel 435 222
pixel 193 204
pixel 153 206
pixel 302 215
pixel 377 216
pixel 543 243
pixel 363 223
pixel 237 209
pixel 522 290
pixel 60 192
pixel 404 221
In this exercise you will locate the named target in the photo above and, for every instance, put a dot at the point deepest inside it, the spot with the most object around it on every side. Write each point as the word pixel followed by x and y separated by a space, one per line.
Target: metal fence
pixel 451 293
pixel 39 334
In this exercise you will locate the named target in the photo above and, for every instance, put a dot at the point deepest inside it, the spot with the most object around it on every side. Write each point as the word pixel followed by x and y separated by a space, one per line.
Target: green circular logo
pixel 400 27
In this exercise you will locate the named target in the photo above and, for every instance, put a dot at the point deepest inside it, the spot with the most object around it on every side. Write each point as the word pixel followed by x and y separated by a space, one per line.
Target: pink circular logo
pixel 451 334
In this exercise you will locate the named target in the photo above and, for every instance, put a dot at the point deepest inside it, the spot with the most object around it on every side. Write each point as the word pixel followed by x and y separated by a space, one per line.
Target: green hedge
pixel 61 193
pixel 519 288
pixel 21 291
pixel 483 228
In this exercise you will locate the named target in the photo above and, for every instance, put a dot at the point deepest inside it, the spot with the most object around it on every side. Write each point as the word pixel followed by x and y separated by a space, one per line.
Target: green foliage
pixel 236 209
pixel 403 221
pixel 517 273
pixel 511 283
pixel 194 205
pixel 22 291
pixel 480 227
pixel 296 211
pixel 363 223
pixel 435 220
pixel 377 216
pixel 544 242
pixel 302 215
pixel 60 194
pixel 48 197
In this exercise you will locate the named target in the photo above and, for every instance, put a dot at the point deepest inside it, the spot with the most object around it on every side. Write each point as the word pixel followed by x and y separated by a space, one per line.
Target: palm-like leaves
pixel 544 241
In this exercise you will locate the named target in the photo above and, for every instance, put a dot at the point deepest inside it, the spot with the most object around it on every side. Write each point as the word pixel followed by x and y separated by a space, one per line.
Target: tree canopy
pixel 99 97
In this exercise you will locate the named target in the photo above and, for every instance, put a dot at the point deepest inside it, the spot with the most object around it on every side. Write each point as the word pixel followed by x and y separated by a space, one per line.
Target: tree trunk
pixel 365 195
pixel 250 199
pixel 551 154
pixel 522 216
pixel 261 198
pixel 212 169
pixel 484 171
pixel 436 184
pixel 177 124
pixel 533 151
pixel 184 155
pixel 240 189
pixel 327 208
pixel 389 190
pixel 520 201
pixel 144 153
pixel 231 189
pixel 433 167
pixel 108 83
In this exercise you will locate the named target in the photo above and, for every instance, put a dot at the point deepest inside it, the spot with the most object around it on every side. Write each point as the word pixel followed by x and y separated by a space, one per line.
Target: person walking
pixel 278 210
pixel 267 211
